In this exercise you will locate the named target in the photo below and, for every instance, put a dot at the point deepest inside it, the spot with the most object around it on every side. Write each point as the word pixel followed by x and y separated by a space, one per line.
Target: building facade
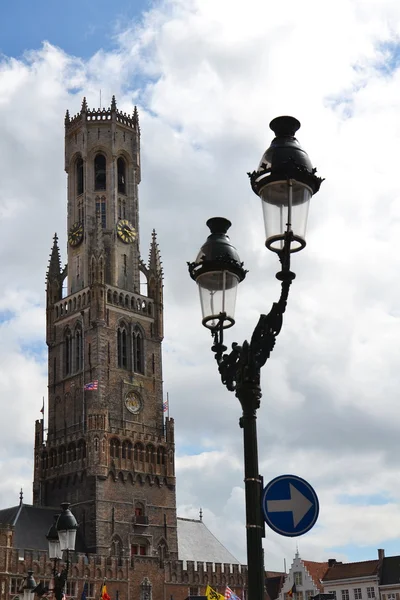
pixel 354 581
pixel 303 581
pixel 104 445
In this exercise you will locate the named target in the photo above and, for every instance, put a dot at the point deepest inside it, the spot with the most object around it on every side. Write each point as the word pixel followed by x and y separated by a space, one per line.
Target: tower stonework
pixel 107 449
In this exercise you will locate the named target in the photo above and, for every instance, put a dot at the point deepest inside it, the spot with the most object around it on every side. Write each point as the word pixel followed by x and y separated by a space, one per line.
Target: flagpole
pixel 43 421
pixel 167 405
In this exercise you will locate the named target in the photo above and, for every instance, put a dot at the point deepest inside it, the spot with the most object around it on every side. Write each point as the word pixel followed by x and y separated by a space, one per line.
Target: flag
pixel 213 595
pixel 104 595
pixel 292 590
pixel 84 591
pixel 230 595
pixel 90 386
pixel 165 406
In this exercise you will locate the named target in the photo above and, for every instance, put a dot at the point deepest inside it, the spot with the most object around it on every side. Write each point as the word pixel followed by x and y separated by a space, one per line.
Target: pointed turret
pixel 54 281
pixel 84 105
pixel 155 264
pixel 113 103
pixel 67 119
pixel 155 285
pixel 54 270
pixel 135 117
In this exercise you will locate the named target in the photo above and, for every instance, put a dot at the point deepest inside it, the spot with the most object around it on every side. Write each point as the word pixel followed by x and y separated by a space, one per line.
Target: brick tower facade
pixel 107 450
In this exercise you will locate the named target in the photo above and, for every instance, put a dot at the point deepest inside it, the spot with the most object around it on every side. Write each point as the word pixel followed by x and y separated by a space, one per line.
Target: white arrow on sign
pixel 298 505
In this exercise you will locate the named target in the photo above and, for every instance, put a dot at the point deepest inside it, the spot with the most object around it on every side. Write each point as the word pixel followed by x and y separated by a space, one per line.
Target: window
pixel 122 347
pixel 114 448
pixel 357 594
pixel 309 594
pixel 70 588
pixel 121 167
pixel 90 593
pixel 100 179
pixel 127 450
pixel 14 587
pixel 299 595
pixel 78 349
pixel 370 592
pixel 138 365
pixel 298 578
pixel 68 352
pixel 101 210
pixel 194 591
pixel 391 597
pixel 333 593
pixel 116 547
pixel 345 594
pixel 79 176
pixel 138 549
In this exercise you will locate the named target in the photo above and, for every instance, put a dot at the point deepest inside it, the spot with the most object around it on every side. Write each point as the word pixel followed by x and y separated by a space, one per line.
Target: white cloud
pixel 208 77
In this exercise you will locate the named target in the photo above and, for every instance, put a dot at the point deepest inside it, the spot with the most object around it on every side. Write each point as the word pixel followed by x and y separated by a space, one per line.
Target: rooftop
pixel 317 571
pixel 197 543
pixel 352 570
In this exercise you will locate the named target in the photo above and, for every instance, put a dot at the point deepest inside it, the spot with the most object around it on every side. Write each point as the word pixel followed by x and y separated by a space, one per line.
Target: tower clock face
pixel 126 231
pixel 133 402
pixel 75 234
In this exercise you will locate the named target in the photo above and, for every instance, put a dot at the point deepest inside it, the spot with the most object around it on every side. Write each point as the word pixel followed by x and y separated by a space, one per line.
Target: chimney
pixel 381 554
pixel 331 562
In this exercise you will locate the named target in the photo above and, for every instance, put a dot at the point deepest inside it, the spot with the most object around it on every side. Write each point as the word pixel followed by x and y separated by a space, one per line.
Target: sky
pixel 207 77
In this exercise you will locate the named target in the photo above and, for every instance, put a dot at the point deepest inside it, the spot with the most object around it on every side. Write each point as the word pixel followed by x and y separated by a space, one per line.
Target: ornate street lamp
pixel 54 542
pixel 29 586
pixel 285 181
pixel 66 527
pixel 61 536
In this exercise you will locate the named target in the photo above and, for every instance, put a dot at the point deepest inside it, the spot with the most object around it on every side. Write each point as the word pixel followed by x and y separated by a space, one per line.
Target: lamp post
pixel 61 536
pixel 285 181
pixel 29 586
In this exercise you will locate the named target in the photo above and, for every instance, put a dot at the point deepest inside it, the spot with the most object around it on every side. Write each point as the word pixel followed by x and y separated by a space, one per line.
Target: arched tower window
pixel 121 168
pixel 137 340
pixel 100 177
pixel 116 547
pixel 127 450
pixel 68 352
pixel 122 347
pixel 114 448
pixel 78 348
pixel 79 176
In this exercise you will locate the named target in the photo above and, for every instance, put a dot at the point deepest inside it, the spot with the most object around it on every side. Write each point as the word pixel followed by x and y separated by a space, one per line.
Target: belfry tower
pixel 107 448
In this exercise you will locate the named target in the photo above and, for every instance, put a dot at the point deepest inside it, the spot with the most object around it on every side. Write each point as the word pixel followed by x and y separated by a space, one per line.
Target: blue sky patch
pixel 80 27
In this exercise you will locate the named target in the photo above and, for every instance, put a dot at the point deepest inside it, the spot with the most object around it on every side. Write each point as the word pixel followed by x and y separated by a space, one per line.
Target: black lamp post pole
pixel 250 401
pixel 285 181
pixel 240 372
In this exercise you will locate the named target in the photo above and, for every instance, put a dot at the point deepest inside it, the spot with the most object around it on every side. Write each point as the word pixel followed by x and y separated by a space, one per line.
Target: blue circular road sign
pixel 290 505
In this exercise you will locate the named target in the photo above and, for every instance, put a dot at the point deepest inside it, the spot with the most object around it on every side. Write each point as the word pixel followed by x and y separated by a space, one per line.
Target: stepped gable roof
pixel 317 571
pixel 31 524
pixel 197 543
pixel 352 570
pixel 390 573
